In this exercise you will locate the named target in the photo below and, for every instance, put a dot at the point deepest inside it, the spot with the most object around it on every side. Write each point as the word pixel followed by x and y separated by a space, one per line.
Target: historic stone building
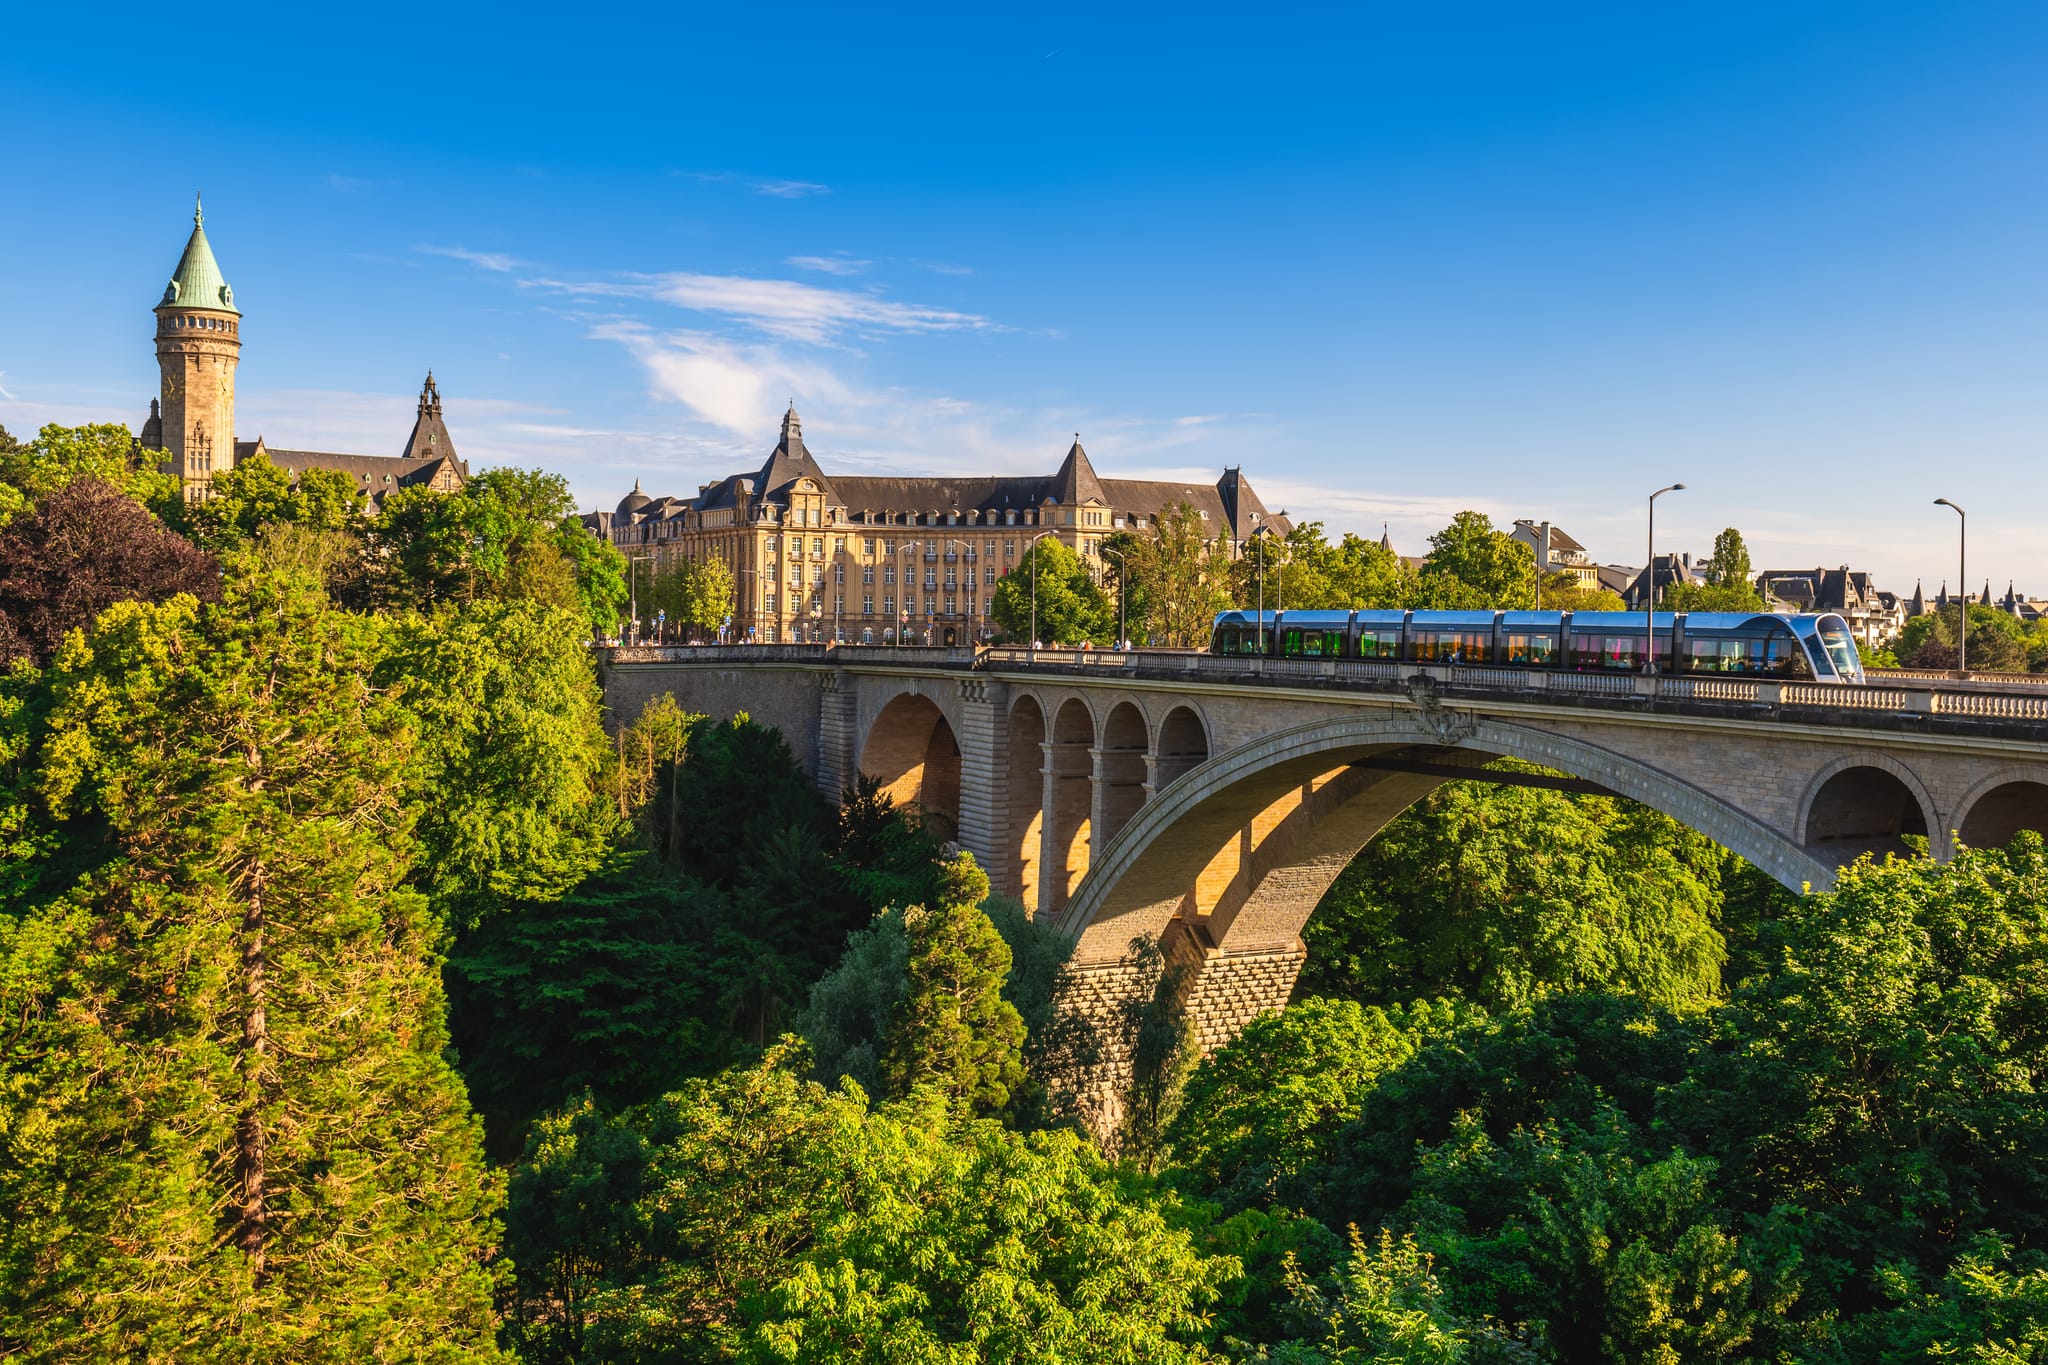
pixel 192 420
pixel 875 560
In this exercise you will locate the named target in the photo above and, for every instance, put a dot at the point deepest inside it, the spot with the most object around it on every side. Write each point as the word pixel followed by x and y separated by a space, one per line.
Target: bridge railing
pixel 1892 695
pixel 902 655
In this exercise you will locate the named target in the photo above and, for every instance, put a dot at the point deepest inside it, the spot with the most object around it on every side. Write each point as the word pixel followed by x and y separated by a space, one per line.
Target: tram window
pixel 1379 644
pixel 1599 653
pixel 1724 655
pixel 1840 647
pixel 1531 651
pixel 1450 647
pixel 1297 643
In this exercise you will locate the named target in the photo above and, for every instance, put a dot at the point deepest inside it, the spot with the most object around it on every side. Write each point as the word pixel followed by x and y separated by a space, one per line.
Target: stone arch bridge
pixel 1209 802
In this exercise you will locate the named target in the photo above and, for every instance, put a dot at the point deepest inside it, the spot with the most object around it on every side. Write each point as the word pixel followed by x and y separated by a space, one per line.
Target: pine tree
pixel 232 1133
pixel 953 1029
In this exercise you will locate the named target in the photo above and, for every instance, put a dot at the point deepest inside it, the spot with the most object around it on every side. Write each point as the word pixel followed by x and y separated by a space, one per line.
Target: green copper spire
pixel 197 282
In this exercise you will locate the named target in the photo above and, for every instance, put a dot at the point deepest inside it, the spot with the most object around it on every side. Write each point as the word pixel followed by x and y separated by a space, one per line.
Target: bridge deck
pixel 1921 703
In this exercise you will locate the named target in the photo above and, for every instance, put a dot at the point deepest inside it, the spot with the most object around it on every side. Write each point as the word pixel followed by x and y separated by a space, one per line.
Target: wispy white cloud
pixel 496 261
pixel 789 189
pixel 830 265
pixel 3 389
pixel 788 309
pixel 943 267
pixel 772 188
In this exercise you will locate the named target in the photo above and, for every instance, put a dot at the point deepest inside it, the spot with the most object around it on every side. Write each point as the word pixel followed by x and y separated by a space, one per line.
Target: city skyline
pixel 1524 272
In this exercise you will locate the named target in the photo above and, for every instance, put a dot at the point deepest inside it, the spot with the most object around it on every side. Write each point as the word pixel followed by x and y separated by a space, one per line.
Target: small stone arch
pixel 1024 776
pixel 1147 876
pixel 2001 805
pixel 1181 747
pixel 1121 775
pixel 1865 803
pixel 912 752
pixel 1069 803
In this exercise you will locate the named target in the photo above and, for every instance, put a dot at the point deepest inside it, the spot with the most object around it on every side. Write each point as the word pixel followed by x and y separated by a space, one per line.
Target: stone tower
pixel 198 343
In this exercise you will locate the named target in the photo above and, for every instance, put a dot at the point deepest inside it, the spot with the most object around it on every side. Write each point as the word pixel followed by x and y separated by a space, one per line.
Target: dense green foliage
pixel 1071 607
pixel 759 1216
pixel 1998 642
pixel 322 885
pixel 1841 1163
pixel 1503 895
pixel 227 1092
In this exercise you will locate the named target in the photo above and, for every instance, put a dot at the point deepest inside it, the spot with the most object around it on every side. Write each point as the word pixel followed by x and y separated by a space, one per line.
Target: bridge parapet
pixel 1909 700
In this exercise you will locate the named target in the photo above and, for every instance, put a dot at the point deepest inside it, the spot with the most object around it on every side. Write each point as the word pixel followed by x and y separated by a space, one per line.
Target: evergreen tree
pixel 231 1133
pixel 953 1029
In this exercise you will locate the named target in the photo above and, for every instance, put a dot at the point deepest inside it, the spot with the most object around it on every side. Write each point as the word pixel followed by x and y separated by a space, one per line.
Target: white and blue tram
pixel 1816 648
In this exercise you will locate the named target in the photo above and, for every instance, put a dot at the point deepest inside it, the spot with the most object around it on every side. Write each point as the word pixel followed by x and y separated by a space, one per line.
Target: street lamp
pixel 1123 639
pixel 1650 585
pixel 1962 578
pixel 1259 572
pixel 968 547
pixel 1029 546
pixel 633 563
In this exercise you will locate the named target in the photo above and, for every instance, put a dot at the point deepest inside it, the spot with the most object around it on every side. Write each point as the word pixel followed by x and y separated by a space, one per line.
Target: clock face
pixel 170 387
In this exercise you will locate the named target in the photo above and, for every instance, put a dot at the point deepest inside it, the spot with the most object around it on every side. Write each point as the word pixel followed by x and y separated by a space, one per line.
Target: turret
pixel 198 345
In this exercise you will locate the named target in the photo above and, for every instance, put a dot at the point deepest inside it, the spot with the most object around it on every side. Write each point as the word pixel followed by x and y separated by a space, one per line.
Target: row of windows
pixel 203 324
pixel 952 606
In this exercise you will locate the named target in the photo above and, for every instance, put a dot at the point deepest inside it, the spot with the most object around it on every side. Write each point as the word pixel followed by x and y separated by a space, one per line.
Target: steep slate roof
pixel 1229 506
pixel 197 282
pixel 430 439
pixel 1076 482
pixel 790 461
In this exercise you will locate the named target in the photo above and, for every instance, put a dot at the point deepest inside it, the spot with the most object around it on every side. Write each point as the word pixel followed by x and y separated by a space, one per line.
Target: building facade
pixel 876 560
pixel 192 419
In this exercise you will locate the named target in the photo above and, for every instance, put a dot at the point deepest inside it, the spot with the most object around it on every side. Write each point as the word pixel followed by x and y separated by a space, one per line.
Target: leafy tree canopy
pixel 85 546
pixel 1501 895
pixel 762 1217
pixel 1470 564
pixel 105 451
pixel 1072 607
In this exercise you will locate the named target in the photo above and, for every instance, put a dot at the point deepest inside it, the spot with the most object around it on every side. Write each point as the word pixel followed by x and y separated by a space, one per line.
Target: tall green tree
pixel 105 451
pixel 1729 568
pixel 1471 564
pixel 509 534
pixel 508 784
pixel 233 1111
pixel 1071 606
pixel 1183 574
pixel 953 1030
pixel 697 594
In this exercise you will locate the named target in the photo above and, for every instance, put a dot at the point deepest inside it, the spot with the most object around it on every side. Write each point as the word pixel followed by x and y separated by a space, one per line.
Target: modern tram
pixel 1816 648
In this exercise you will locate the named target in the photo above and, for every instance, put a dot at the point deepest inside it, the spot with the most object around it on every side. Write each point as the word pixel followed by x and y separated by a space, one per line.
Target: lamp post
pixel 1963 578
pixel 633 591
pixel 1650 585
pixel 1123 638
pixel 1258 571
pixel 749 599
pixel 1030 546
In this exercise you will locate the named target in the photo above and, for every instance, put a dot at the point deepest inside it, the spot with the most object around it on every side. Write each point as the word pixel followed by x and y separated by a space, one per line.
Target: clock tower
pixel 198 343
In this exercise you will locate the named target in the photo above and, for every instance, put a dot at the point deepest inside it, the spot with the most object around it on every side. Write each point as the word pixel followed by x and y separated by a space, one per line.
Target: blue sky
pixel 1394 260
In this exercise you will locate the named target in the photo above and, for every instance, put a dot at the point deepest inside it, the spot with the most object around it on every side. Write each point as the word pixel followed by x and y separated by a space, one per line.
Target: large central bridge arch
pixel 1246 843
